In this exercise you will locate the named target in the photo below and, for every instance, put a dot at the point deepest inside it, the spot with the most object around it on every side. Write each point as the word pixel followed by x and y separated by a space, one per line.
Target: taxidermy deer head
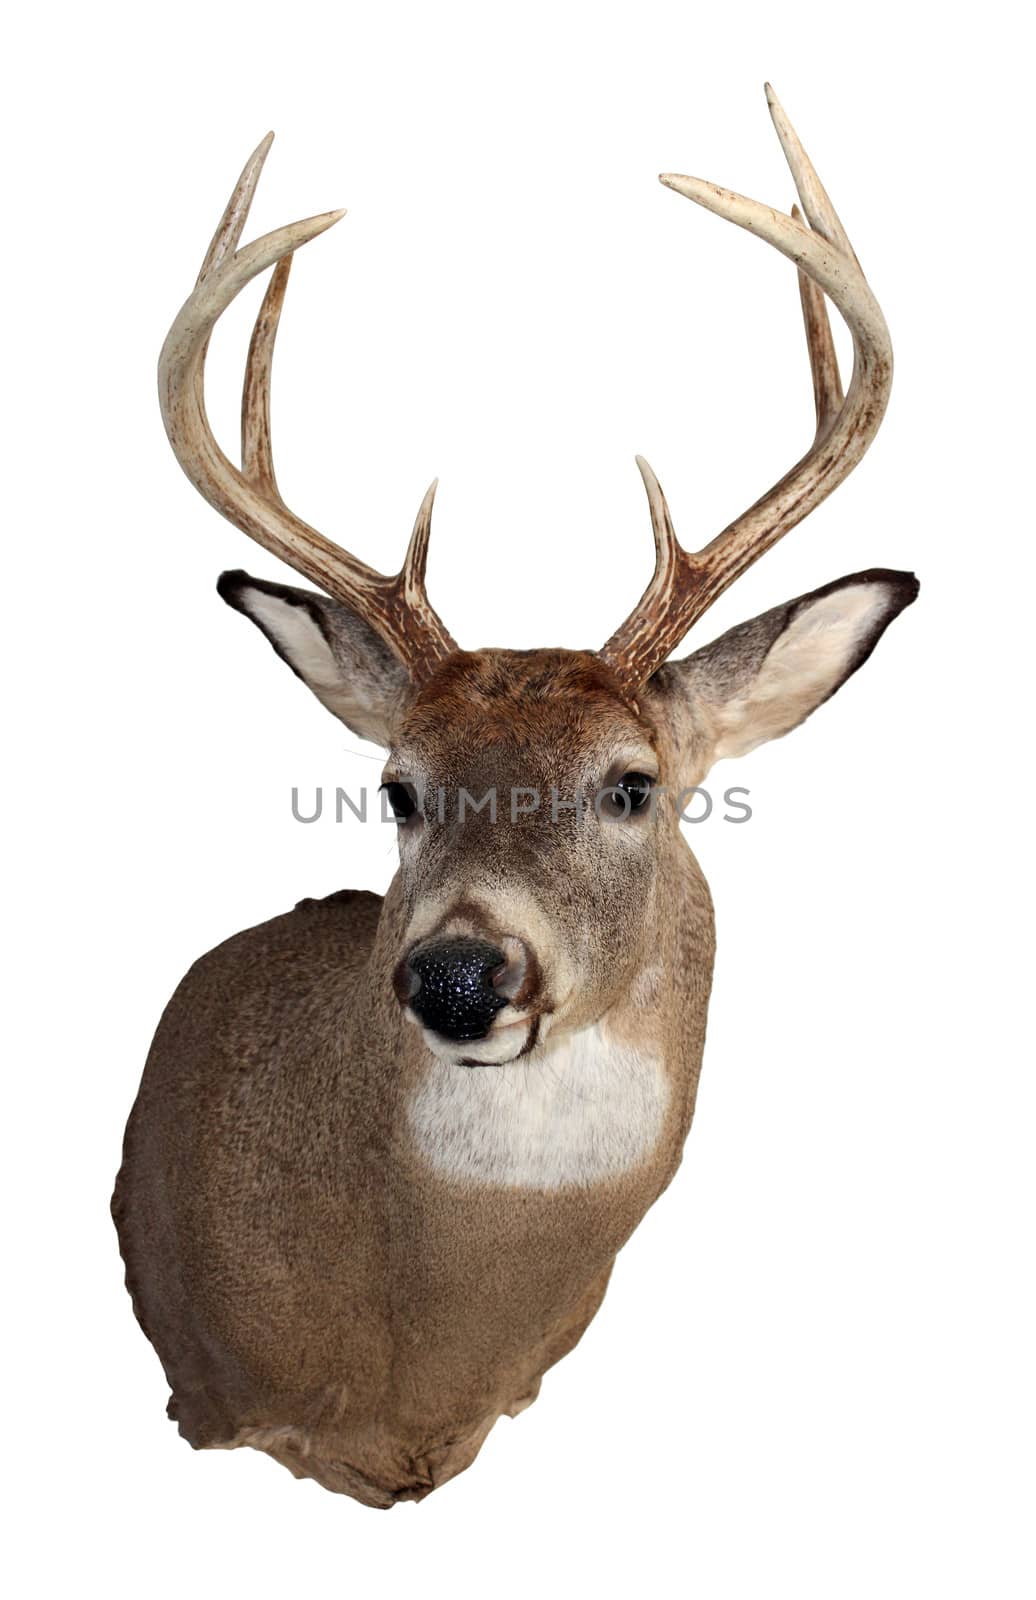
pixel 384 1152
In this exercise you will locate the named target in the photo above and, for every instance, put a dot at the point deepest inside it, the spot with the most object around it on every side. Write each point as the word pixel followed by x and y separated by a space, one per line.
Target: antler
pixel 685 585
pixel 397 607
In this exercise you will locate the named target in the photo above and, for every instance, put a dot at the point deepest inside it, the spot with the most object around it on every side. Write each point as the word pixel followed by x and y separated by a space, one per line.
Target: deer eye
pixel 636 786
pixel 402 799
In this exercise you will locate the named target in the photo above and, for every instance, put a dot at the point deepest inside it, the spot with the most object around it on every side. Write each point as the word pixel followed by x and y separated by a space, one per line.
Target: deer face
pixel 529 848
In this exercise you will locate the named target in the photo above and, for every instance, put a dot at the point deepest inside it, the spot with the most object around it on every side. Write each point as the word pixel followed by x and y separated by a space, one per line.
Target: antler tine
pixel 822 216
pixel 823 360
pixel 672 562
pixel 813 197
pixel 256 438
pixel 411 579
pixel 845 428
pixel 396 607
pixel 416 559
pixel 231 224
pixel 667 548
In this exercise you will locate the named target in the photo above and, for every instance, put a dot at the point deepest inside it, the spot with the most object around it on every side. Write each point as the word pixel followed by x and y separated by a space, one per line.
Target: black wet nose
pixel 455 994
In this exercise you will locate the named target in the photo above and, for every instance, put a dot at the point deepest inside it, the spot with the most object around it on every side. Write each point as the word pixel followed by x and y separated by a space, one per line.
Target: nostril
pixel 511 978
pixel 405 982
pixel 518 980
pixel 454 994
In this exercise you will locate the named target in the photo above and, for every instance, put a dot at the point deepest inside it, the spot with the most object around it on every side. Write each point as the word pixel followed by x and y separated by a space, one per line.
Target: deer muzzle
pixel 456 987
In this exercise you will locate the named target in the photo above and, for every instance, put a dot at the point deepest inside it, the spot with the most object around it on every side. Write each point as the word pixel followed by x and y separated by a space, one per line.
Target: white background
pixel 812 1374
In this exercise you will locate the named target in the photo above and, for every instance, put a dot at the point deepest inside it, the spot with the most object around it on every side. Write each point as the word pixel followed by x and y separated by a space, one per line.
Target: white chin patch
pixel 576 1113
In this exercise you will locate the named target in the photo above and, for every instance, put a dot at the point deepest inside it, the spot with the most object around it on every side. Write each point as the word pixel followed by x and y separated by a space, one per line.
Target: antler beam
pixel 684 585
pixel 396 607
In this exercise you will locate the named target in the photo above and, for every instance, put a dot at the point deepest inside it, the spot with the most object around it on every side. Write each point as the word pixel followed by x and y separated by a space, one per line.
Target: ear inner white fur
pixel 764 677
pixel 805 665
pixel 333 651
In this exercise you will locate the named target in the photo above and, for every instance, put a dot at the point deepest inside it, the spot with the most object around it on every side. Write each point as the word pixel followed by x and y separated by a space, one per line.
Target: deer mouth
pixel 526 1034
pixel 508 1039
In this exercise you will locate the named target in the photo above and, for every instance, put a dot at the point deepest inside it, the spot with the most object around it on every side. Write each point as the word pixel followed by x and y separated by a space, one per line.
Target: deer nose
pixel 449 985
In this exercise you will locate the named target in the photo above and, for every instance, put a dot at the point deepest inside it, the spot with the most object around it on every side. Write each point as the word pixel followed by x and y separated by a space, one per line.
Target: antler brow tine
pixel 397 608
pixel 684 585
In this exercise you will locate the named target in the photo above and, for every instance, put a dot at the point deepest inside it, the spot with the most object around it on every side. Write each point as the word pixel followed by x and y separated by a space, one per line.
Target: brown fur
pixel 314 1288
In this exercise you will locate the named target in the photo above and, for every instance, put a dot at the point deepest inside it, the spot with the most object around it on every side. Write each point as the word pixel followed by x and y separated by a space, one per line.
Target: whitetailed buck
pixel 385 1151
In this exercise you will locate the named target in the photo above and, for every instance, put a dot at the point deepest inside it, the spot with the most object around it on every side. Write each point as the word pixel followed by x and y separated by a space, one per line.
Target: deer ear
pixel 764 677
pixel 335 653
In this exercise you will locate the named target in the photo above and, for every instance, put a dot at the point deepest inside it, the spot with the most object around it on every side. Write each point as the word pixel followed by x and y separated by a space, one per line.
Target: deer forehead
pixel 537 703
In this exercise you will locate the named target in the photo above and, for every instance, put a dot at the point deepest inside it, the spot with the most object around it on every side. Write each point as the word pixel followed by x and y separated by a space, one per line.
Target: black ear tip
pixel 229 587
pixel 903 587
pixel 906 587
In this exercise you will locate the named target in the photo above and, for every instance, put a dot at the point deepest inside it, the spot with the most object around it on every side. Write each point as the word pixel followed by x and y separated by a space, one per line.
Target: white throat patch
pixel 588 1109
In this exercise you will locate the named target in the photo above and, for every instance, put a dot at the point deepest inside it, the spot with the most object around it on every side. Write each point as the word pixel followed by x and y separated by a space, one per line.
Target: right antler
pixel 685 585
pixel 396 607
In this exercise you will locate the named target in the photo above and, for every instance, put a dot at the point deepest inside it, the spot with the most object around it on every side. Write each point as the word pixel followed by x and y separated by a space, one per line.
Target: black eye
pixel 636 786
pixel 402 800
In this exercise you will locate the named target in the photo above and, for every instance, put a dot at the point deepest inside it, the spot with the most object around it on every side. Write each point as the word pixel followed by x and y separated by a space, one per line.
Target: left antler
pixel 397 608
pixel 685 585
